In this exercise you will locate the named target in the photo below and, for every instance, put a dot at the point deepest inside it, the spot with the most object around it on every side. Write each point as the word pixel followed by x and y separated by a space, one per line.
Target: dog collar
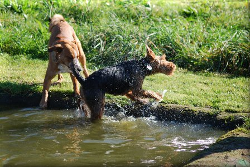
pixel 146 66
pixel 149 67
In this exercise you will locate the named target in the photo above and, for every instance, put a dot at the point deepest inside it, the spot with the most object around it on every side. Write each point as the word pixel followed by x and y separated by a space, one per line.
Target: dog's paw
pixel 78 96
pixel 56 83
pixel 43 105
pixel 159 100
pixel 161 96
pixel 142 101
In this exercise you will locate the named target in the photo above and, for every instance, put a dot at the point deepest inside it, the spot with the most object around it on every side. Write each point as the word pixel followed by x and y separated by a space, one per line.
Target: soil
pixel 232 149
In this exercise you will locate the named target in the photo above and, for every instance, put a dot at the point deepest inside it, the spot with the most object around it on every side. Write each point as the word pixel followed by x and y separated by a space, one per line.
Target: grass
pixel 196 35
pixel 208 40
pixel 218 92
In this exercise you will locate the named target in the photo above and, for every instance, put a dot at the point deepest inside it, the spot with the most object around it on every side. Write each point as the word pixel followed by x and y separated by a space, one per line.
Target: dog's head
pixel 57 18
pixel 159 64
pixel 66 53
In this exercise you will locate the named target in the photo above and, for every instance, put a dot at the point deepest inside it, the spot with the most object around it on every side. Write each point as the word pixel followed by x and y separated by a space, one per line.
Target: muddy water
pixel 30 137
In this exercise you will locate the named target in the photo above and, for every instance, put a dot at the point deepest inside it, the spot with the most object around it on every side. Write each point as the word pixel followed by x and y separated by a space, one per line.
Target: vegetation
pixel 196 35
pixel 200 36
pixel 208 40
pixel 219 92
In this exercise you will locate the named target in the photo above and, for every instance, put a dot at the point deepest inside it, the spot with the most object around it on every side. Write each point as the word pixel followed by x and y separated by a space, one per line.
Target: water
pixel 30 137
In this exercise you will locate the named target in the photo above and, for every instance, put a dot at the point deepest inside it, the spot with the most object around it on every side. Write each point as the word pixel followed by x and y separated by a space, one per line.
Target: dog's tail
pixel 76 68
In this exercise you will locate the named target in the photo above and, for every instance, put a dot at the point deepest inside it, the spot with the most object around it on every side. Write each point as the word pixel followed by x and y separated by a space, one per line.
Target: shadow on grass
pixel 29 95
pixel 13 88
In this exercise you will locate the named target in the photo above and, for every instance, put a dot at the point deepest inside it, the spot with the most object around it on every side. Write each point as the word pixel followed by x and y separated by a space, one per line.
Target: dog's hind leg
pixel 75 85
pixel 82 60
pixel 82 57
pixel 59 81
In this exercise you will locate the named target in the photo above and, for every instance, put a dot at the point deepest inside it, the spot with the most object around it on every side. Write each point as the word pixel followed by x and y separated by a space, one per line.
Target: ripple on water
pixel 62 137
pixel 4 118
pixel 107 141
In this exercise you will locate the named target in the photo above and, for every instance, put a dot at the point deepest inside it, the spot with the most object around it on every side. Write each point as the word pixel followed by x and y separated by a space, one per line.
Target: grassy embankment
pixel 205 39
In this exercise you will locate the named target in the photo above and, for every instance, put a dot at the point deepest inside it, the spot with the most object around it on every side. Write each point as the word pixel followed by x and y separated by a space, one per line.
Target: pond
pixel 31 137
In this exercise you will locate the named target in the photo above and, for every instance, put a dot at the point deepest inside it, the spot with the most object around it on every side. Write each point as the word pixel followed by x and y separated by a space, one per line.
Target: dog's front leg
pixel 147 94
pixel 136 98
pixel 46 85
pixel 151 94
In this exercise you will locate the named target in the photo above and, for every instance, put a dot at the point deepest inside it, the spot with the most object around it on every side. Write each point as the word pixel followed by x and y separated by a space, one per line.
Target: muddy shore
pixel 231 149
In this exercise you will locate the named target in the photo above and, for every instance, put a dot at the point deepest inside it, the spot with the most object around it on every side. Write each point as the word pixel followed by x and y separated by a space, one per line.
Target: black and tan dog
pixel 123 79
pixel 64 49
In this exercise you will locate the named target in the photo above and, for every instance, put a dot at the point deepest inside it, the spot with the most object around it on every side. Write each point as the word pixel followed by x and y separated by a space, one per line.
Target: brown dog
pixel 64 49
pixel 125 78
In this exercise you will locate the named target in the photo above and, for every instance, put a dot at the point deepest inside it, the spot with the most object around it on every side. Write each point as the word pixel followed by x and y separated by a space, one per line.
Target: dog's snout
pixel 75 65
pixel 79 69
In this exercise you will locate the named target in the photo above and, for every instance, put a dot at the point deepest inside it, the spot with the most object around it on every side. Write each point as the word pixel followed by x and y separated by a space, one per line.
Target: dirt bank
pixel 232 149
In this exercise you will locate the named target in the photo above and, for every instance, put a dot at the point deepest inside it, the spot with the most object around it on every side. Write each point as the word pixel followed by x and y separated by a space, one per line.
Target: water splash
pixel 190 146
pixel 78 113
pixel 67 139
pixel 155 103
pixel 30 109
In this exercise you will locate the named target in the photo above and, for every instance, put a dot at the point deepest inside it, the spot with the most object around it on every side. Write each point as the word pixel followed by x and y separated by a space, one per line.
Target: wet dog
pixel 125 78
pixel 64 49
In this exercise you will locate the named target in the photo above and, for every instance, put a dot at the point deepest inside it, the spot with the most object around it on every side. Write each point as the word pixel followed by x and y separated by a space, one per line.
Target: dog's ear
pixel 58 48
pixel 163 57
pixel 150 54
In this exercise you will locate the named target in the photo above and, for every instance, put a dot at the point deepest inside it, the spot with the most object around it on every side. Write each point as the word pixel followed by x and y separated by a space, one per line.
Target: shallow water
pixel 30 137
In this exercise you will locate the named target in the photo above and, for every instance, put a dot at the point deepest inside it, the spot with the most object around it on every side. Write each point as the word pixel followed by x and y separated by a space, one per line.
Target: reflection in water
pixel 74 145
pixel 30 137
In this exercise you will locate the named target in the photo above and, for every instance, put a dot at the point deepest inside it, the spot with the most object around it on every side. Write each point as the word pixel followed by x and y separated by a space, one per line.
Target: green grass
pixel 208 40
pixel 20 75
pixel 219 92
pixel 197 35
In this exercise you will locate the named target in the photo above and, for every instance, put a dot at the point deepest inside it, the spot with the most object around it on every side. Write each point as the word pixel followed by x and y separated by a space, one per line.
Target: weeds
pixel 197 35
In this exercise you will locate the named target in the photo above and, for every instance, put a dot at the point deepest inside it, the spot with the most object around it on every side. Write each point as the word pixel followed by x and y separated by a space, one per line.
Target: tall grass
pixel 196 35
